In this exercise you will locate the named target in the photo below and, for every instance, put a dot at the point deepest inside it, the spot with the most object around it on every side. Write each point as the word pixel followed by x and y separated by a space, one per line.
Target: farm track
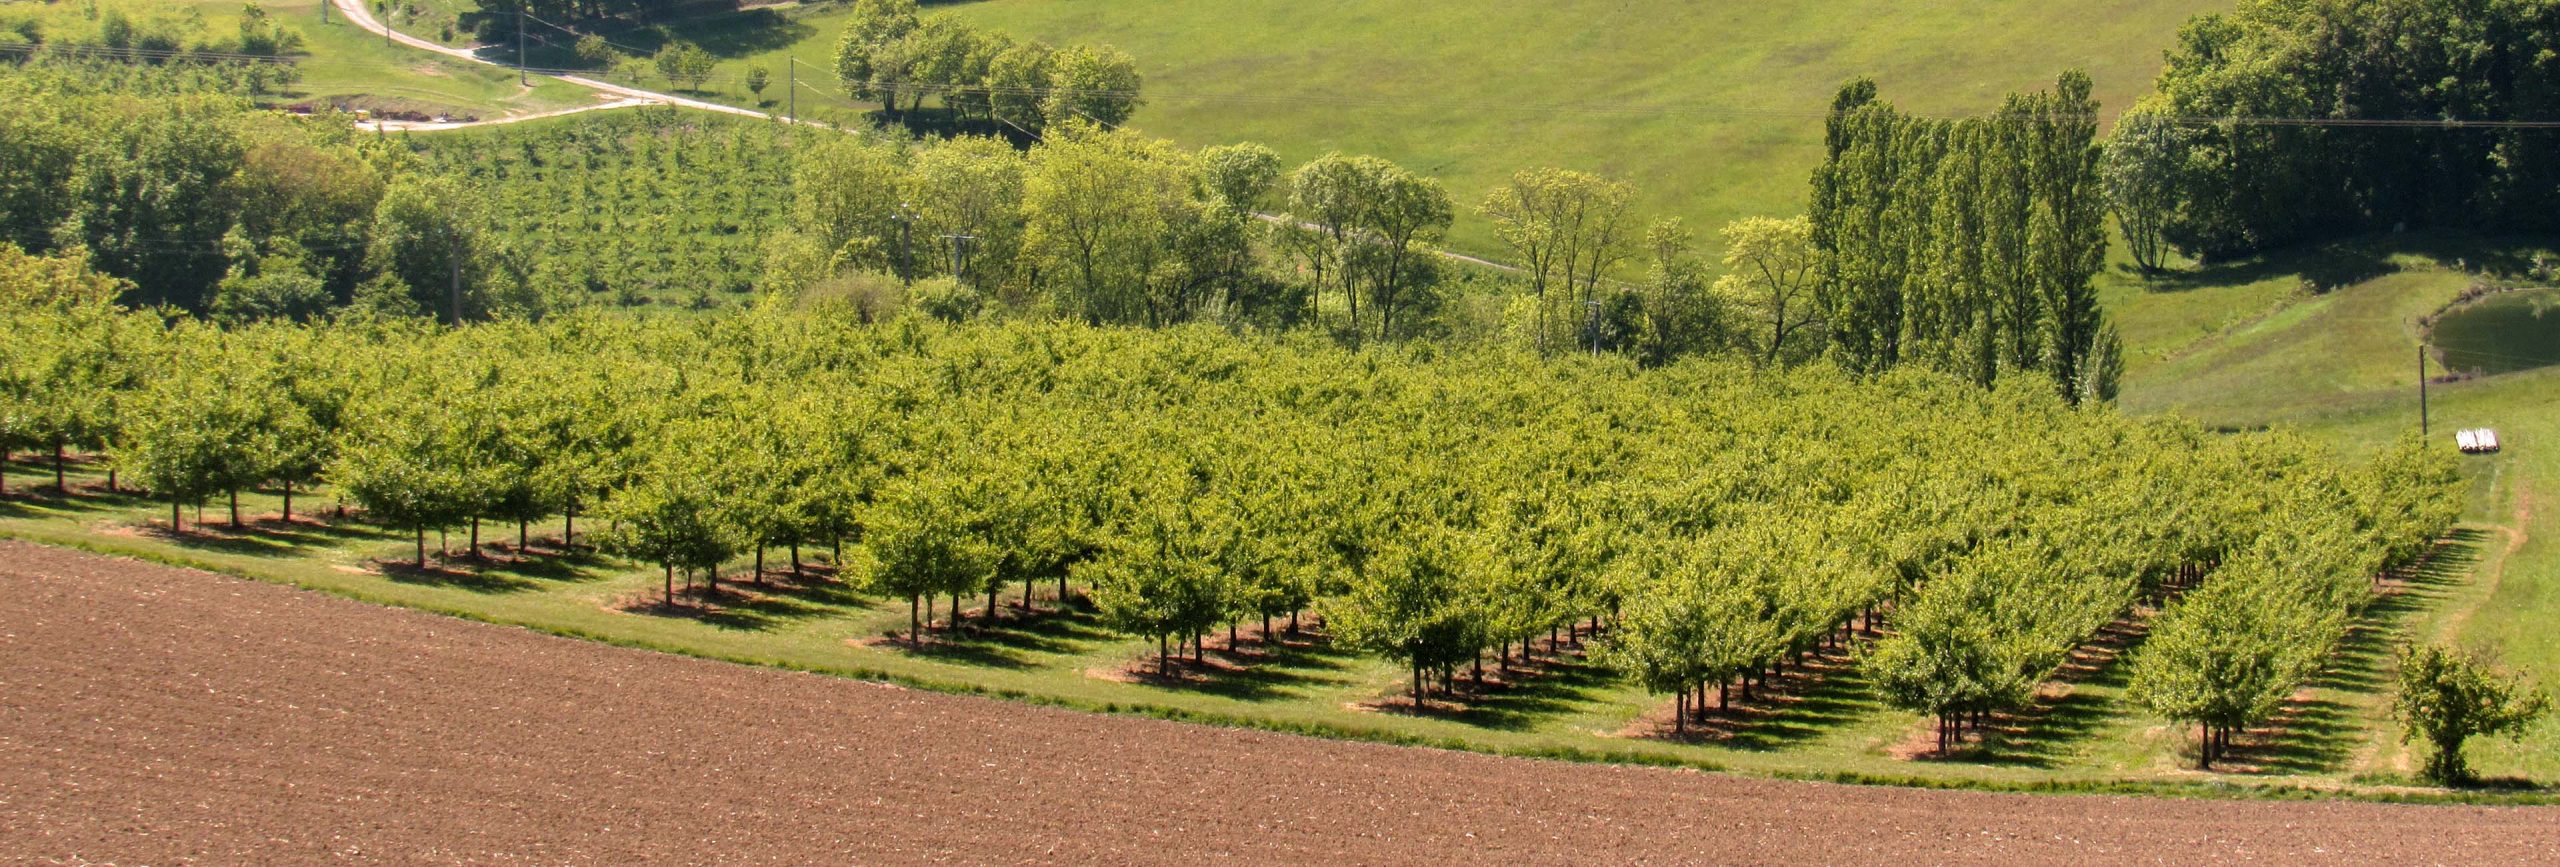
pixel 160 715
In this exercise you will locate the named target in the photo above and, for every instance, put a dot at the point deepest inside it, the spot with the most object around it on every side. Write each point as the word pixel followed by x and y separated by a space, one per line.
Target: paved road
pixel 159 715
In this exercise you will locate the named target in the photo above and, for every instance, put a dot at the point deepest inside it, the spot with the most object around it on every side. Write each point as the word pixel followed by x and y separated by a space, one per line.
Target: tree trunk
pixel 58 486
pixel 524 538
pixel 671 584
pixel 1680 712
pixel 176 527
pixel 795 560
pixel 991 602
pixel 569 526
pixel 915 625
pixel 1293 621
pixel 422 547
pixel 111 479
pixel 1026 595
pixel 928 609
pixel 235 508
pixel 1164 660
pixel 475 537
pixel 1417 686
pixel 2204 747
pixel 288 502
pixel 759 565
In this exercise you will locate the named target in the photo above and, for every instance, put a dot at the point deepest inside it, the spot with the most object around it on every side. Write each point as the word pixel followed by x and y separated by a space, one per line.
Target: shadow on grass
pixel 2314 733
pixel 1804 702
pixel 438 574
pixel 2043 734
pixel 2345 262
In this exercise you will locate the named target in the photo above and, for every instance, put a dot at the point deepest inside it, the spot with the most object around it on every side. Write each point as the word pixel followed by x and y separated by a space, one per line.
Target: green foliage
pixel 2244 185
pixel 2449 697
pixel 683 65
pixel 1965 246
pixel 625 206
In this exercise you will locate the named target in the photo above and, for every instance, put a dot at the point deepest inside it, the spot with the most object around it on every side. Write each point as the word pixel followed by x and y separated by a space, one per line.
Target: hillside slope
pixel 2250 348
pixel 1711 107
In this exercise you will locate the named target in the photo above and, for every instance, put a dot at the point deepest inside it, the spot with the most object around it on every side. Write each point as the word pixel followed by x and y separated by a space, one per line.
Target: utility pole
pixel 2422 389
pixel 1594 325
pixel 791 87
pixel 383 9
pixel 521 79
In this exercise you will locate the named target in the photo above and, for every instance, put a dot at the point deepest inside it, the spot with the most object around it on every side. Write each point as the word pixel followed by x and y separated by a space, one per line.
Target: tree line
pixel 2285 121
pixel 891 52
pixel 1967 246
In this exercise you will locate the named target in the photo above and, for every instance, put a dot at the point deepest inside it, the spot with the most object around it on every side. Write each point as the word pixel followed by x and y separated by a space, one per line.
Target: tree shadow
pixel 556 566
pixel 2316 734
pixel 1533 691
pixel 721 29
pixel 2065 713
pixel 443 574
pixel 1803 702
pixel 2328 265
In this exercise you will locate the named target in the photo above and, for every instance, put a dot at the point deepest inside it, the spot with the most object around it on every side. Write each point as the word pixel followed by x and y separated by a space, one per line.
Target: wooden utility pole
pixel 791 87
pixel 522 80
pixel 2422 389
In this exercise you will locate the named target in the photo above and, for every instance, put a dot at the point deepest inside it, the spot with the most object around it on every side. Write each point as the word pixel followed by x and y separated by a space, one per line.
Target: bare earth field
pixel 159 715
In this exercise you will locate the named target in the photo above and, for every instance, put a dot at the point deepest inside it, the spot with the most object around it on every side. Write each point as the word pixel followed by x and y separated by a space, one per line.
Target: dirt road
pixel 159 715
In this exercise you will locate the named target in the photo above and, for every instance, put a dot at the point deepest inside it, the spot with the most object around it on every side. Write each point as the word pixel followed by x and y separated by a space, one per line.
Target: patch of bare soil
pixel 157 715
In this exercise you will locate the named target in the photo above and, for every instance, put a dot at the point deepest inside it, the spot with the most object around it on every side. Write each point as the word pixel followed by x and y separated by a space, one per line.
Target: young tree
pixel 1094 83
pixel 1018 87
pixel 861 53
pixel 1104 209
pixel 2142 184
pixel 593 52
pixel 2450 697
pixel 968 195
pixel 1770 271
pixel 1566 226
pixel 1240 175
pixel 428 234
pixel 1408 601
pixel 683 65
pixel 758 77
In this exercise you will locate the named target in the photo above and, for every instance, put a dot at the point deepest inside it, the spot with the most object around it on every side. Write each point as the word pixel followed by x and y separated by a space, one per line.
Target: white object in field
pixel 2488 440
pixel 2466 441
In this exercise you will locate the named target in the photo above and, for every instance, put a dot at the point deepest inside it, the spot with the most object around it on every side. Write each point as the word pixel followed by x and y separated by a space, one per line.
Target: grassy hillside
pixel 2251 346
pixel 1712 108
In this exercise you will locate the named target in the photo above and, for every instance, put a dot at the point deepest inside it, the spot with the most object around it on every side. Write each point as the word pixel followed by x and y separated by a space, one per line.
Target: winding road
pixel 155 715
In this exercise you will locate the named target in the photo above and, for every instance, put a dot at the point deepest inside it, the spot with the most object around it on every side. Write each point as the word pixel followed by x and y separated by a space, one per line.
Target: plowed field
pixel 159 715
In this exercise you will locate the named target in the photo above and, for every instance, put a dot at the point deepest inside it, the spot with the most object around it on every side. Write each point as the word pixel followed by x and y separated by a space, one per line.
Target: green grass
pixel 1711 109
pixel 341 65
pixel 2248 346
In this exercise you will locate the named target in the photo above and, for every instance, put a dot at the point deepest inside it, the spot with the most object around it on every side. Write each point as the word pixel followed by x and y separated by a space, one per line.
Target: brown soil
pixel 158 715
